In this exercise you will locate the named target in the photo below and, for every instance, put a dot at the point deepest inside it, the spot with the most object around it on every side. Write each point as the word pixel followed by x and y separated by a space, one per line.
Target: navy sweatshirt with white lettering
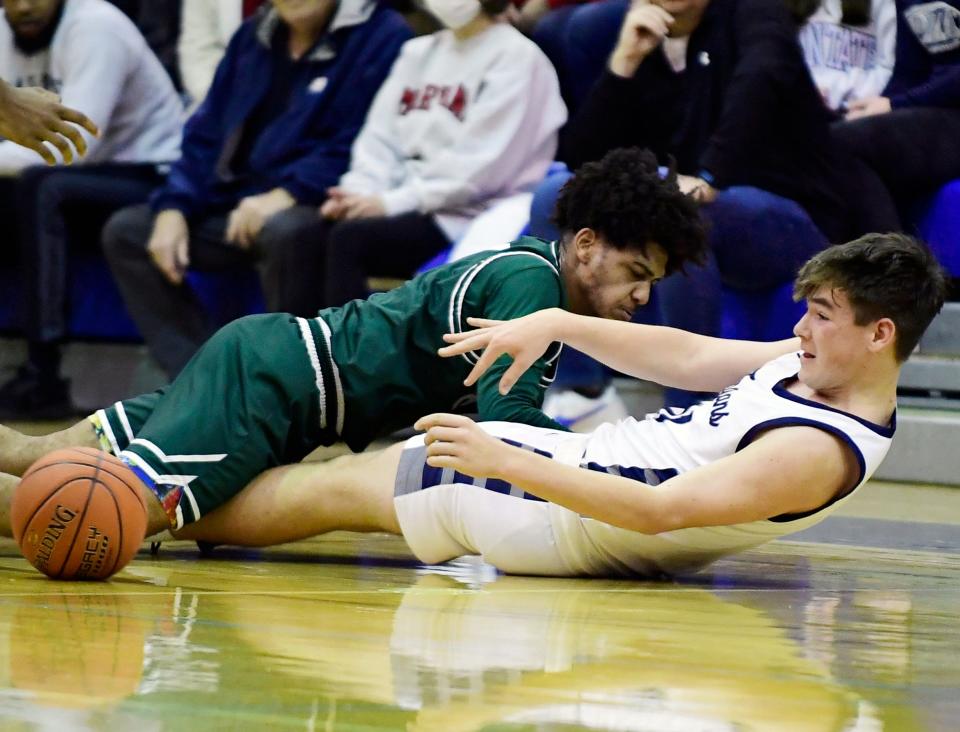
pixel 927 70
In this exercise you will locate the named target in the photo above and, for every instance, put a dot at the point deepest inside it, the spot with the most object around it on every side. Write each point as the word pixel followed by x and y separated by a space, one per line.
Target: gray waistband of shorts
pixel 409 479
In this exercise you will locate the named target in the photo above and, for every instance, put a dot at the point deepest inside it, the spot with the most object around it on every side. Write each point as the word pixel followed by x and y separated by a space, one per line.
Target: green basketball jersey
pixel 385 347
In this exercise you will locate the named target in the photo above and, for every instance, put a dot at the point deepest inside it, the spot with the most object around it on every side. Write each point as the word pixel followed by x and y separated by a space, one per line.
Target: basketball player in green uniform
pixel 268 389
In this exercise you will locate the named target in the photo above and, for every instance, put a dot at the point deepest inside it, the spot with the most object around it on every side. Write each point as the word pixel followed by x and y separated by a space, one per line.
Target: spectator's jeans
pixel 288 251
pixel 912 151
pixel 60 207
pixel 758 240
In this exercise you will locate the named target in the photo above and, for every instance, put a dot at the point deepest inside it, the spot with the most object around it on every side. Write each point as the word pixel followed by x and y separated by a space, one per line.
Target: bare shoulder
pixel 820 464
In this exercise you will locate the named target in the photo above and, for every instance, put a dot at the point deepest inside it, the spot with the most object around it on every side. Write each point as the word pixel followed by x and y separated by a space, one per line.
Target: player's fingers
pixel 485 361
pixel 449 449
pixel 463 335
pixel 443 461
pixel 440 418
pixel 512 375
pixel 78 118
pixel 442 433
pixel 484 322
pixel 72 133
pixel 62 144
pixel 464 346
pixel 44 152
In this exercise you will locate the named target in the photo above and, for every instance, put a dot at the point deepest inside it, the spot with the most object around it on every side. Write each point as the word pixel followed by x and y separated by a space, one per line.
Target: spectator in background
pixel 567 36
pixel 469 116
pixel 272 135
pixel 721 86
pixel 205 30
pixel 909 136
pixel 90 54
pixel 849 47
pixel 159 21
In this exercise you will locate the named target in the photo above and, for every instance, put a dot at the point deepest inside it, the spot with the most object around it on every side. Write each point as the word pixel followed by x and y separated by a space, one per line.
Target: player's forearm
pixel 667 356
pixel 614 500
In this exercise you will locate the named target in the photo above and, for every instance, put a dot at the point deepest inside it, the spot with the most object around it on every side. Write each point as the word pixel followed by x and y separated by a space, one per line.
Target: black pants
pixel 170 317
pixel 907 154
pixel 387 246
pixel 57 209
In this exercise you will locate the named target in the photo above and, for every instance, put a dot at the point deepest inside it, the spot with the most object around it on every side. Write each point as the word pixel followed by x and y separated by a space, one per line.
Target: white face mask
pixel 453 13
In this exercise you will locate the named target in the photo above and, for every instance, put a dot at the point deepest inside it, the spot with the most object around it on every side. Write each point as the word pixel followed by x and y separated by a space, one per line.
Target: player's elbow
pixel 650 519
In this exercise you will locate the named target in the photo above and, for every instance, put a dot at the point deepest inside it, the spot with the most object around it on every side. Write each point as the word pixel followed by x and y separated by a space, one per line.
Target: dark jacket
pixel 927 70
pixel 304 148
pixel 744 112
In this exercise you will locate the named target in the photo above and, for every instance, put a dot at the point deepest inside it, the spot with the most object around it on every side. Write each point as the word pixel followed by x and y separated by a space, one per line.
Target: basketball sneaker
pixel 580 413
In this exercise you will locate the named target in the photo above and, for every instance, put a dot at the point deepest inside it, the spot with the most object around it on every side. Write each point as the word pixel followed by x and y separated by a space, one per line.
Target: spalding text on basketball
pixel 61 518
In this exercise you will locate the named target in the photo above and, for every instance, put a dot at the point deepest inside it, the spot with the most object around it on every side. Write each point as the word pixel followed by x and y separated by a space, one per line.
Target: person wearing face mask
pixel 271 136
pixel 468 117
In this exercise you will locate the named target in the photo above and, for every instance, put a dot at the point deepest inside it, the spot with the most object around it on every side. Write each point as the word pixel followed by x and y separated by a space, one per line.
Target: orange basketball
pixel 78 514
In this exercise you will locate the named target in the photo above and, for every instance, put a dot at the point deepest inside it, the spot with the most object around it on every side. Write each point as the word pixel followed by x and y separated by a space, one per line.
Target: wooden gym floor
pixel 852 626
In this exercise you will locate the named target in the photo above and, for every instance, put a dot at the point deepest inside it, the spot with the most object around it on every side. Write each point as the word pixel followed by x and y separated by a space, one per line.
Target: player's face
pixel 613 283
pixel 30 18
pixel 834 346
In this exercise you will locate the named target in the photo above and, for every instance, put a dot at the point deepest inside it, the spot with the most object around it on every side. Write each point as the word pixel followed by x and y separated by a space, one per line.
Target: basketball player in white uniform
pixel 796 430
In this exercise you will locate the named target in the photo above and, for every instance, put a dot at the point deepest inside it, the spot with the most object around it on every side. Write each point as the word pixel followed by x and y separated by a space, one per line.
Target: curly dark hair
pixel 625 199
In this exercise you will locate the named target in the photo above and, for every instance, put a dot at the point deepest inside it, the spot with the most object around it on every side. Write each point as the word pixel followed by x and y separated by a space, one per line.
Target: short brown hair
pixel 883 276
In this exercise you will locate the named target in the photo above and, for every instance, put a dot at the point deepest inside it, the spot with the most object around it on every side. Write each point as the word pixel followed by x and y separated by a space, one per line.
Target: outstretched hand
pixel 524 340
pixel 457 442
pixel 33 116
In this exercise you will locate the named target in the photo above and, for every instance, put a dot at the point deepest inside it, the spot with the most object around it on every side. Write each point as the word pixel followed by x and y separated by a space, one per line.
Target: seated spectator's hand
pixel 248 218
pixel 644 28
pixel 334 207
pixel 169 245
pixel 867 107
pixel 455 441
pixel 342 205
pixel 697 188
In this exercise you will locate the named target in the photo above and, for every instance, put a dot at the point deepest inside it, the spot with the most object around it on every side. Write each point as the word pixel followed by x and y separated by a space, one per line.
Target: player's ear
pixel 884 334
pixel 584 242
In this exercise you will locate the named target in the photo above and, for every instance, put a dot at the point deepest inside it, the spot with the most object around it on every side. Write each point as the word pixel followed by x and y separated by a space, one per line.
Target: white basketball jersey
pixel 672 442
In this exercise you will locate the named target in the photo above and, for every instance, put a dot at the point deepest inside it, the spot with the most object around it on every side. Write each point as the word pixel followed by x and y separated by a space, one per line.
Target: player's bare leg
pixel 352 492
pixel 19 451
pixel 7 485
